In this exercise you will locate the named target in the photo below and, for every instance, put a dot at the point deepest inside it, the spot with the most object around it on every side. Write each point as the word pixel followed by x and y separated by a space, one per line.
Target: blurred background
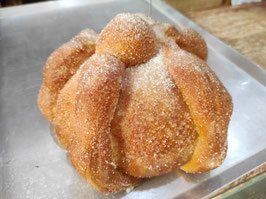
pixel 239 23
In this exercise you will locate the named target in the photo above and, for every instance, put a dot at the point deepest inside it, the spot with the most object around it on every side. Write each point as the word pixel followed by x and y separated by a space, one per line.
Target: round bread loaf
pixel 122 123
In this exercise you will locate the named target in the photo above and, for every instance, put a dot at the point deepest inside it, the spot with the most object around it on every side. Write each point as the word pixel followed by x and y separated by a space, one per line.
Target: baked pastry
pixel 61 65
pixel 136 101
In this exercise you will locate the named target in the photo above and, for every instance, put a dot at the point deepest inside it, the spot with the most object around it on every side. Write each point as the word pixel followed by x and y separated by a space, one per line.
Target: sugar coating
pixel 209 103
pixel 96 98
pixel 61 65
pixel 152 124
pixel 64 119
pixel 88 34
pixel 161 30
pixel 129 38
pixel 191 41
pixel 144 104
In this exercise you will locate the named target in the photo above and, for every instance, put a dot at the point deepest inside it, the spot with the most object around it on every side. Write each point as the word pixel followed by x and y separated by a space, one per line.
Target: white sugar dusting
pixel 88 34
pixel 150 76
pixel 160 31
pixel 156 120
pixel 107 64
pixel 129 38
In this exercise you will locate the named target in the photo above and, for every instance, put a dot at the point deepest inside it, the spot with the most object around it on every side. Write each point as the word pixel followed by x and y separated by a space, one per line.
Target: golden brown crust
pixel 62 65
pixel 64 120
pixel 168 111
pixel 129 38
pixel 210 105
pixel 97 95
pixel 152 126
pixel 45 101
pixel 186 38
pixel 192 42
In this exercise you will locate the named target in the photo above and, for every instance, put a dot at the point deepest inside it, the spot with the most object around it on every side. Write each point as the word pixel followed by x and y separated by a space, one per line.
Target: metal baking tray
pixel 32 165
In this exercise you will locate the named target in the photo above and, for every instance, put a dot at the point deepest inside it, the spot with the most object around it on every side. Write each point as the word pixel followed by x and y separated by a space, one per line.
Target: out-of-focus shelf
pixel 251 185
pixel 196 5
pixel 243 27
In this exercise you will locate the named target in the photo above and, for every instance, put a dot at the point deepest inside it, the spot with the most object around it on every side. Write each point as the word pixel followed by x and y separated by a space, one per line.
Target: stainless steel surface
pixel 32 165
